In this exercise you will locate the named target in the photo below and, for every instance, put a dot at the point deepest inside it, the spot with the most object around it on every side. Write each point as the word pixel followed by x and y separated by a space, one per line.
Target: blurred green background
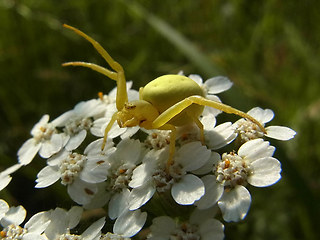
pixel 269 49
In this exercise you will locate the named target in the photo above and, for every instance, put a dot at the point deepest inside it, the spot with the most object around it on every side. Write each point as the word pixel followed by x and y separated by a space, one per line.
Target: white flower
pixel 152 175
pixel 79 120
pixel 248 130
pixel 252 164
pixel 45 139
pixel 5 177
pixel 201 225
pixel 63 221
pixel 80 173
pixel 12 217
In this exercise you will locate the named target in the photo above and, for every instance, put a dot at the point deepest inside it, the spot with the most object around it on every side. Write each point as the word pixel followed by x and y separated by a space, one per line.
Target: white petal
pixel 118 203
pixel 209 122
pixel 208 166
pixel 280 133
pixel 47 176
pixel 98 127
pixel 48 148
pixel 28 151
pixel 56 159
pixel 91 232
pixel 90 108
pixel 130 131
pixel 130 223
pixel 211 229
pixel 139 196
pixel 33 236
pixel 15 215
pixel 76 140
pixel 38 222
pixel 4 181
pixel 197 78
pixel 128 150
pixel 94 148
pixel 5 178
pixel 143 173
pixel 100 199
pixel 218 84
pixel 193 156
pixel 4 207
pixel 222 135
pixel 162 227
pixel 263 116
pixel 115 130
pixel 11 169
pixel 255 149
pixel 74 216
pixel 213 192
pixel 63 119
pixel 95 170
pixel 265 172
pixel 58 225
pixel 82 192
pixel 189 189
pixel 235 204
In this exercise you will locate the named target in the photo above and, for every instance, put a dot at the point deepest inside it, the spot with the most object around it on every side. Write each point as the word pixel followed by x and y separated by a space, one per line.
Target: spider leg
pixel 174 110
pixel 95 67
pixel 200 126
pixel 107 129
pixel 118 75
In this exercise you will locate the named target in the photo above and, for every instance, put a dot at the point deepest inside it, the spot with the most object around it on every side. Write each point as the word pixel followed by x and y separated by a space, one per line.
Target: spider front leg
pixel 117 74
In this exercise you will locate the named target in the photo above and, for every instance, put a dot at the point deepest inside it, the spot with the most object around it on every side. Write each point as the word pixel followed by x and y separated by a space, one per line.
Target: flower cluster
pixel 206 185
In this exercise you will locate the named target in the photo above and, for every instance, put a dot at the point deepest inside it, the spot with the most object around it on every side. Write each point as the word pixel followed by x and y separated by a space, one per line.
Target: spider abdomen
pixel 167 90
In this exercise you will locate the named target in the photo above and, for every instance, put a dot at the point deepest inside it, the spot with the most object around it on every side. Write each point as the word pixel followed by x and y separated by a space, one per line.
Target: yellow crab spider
pixel 165 103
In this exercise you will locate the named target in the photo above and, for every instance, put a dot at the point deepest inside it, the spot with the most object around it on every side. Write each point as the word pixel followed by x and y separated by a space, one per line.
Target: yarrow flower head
pixel 45 139
pixel 201 225
pixel 252 164
pixel 78 121
pixel 248 130
pixel 152 175
pixel 12 217
pixel 81 173
pixel 62 222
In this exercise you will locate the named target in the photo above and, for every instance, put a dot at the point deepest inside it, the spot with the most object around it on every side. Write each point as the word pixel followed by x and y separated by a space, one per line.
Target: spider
pixel 165 103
